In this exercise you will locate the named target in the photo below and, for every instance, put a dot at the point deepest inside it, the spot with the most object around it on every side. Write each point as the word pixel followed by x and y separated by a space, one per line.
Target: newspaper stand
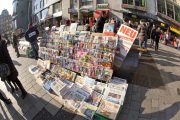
pixel 95 43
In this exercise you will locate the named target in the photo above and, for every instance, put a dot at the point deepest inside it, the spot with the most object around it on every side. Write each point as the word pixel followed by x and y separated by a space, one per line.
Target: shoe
pixel 24 95
pixel 8 101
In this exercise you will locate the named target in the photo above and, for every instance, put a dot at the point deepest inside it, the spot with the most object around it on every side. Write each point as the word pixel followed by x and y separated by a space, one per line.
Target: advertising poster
pixel 108 29
pixel 127 36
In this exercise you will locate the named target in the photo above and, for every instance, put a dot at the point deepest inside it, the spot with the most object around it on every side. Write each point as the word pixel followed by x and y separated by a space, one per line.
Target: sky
pixel 6 4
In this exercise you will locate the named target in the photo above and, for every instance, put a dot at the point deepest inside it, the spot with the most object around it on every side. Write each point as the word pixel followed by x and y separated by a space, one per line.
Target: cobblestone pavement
pixel 151 96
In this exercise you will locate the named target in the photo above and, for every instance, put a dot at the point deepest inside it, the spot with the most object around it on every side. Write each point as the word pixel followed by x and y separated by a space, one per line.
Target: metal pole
pixel 78 9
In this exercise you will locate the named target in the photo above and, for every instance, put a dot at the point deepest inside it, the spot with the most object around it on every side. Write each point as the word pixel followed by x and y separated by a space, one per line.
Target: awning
pixel 97 13
pixel 58 14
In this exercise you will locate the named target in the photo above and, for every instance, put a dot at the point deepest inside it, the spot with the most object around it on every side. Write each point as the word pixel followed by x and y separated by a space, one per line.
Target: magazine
pixel 47 85
pixel 73 99
pixel 114 95
pixel 57 87
pixel 108 29
pixel 108 109
pixel 87 110
pixel 99 87
pixel 34 69
pixel 94 99
pixel 80 80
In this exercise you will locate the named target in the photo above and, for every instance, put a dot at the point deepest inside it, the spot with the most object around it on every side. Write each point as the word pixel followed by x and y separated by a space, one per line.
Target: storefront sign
pixel 133 7
pixel 175 30
pixel 168 18
pixel 102 7
pixel 127 35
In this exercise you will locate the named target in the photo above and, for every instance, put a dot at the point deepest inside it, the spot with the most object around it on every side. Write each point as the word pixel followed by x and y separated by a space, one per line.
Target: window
pixel 102 1
pixel 128 2
pixel 57 7
pixel 44 13
pixel 161 6
pixel 40 3
pixel 177 13
pixel 140 3
pixel 86 3
pixel 170 10
pixel 74 4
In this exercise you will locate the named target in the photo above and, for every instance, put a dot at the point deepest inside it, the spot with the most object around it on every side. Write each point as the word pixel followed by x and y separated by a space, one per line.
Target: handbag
pixel 4 70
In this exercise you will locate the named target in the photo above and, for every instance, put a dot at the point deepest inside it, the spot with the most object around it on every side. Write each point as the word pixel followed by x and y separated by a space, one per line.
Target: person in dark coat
pixel 153 31
pixel 100 22
pixel 5 58
pixel 157 37
pixel 15 45
pixel 31 36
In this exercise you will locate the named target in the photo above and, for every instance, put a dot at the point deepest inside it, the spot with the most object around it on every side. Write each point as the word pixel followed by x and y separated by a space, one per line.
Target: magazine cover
pixel 94 99
pixel 89 81
pixel 47 85
pixel 73 27
pixel 108 29
pixel 80 80
pixel 34 69
pixel 87 110
pixel 99 87
pixel 108 109
pixel 73 100
pixel 57 87
pixel 114 95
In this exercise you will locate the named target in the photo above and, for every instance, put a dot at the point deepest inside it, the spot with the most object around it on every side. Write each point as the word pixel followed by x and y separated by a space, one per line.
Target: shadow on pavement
pixel 16 63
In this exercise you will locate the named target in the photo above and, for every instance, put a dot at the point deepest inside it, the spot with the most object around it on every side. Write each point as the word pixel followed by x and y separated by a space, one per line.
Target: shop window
pixel 128 2
pixel 170 10
pixel 177 13
pixel 86 3
pixel 57 7
pixel 74 4
pixel 140 3
pixel 44 13
pixel 102 1
pixel 161 6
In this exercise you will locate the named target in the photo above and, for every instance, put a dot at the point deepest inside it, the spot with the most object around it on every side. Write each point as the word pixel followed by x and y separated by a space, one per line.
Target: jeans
pixel 35 49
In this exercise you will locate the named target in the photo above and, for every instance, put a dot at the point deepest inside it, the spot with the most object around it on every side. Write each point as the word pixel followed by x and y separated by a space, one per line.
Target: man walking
pixel 31 36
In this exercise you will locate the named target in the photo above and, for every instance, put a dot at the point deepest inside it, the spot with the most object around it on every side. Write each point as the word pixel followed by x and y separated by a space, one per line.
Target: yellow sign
pixel 175 30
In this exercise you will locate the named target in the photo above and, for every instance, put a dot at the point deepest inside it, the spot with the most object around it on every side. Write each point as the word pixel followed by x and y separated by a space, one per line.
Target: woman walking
pixel 7 101
pixel 6 59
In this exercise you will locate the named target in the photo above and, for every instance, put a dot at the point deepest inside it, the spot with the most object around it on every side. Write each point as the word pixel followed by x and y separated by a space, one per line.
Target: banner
pixel 127 36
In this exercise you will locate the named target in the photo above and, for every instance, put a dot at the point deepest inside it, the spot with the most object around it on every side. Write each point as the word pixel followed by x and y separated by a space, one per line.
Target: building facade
pixel 21 14
pixel 5 23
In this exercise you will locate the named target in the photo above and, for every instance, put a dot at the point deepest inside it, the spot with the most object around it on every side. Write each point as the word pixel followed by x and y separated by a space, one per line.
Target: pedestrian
pixel 15 44
pixel 5 100
pixel 6 59
pixel 100 22
pixel 31 36
pixel 157 37
pixel 152 35
pixel 126 21
pixel 142 33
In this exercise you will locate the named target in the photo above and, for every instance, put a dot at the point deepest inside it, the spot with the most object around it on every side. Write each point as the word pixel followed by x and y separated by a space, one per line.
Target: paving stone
pixel 31 113
pixel 39 105
pixel 155 103
pixel 43 115
pixel 53 107
pixel 78 117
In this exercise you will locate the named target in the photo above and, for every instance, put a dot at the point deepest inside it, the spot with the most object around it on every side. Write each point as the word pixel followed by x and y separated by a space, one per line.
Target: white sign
pixel 127 35
pixel 73 27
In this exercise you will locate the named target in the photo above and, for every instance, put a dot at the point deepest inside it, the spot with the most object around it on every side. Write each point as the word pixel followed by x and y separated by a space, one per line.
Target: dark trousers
pixel 2 97
pixel 16 50
pixel 35 49
pixel 156 45
pixel 18 83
